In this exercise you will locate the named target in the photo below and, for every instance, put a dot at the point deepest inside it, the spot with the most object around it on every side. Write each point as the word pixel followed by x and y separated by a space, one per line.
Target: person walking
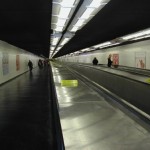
pixel 30 64
pixel 95 61
pixel 109 61
pixel 40 64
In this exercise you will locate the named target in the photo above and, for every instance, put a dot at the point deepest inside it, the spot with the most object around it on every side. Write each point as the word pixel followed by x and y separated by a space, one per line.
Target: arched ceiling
pixel 116 19
pixel 27 24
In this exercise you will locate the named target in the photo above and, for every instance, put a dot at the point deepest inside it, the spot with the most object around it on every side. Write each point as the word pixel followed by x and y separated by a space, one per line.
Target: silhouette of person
pixel 142 65
pixel 95 61
pixel 40 63
pixel 109 61
pixel 30 64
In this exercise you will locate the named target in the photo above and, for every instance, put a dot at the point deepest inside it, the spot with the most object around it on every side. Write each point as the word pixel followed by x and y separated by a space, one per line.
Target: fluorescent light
pixel 55 40
pixel 103 44
pixel 67 3
pixel 61 22
pixel 136 35
pixel 58 28
pixel 64 12
pixel 87 13
pixel 74 29
pixel 147 32
pixel 65 40
pixel 85 49
pixel 96 46
pixel 55 53
pixel 127 37
pixel 80 22
pixel 138 38
pixel 106 43
pixel 146 36
pixel 109 45
pixel 58 48
pixel 95 3
pixel 52 48
pixel 88 9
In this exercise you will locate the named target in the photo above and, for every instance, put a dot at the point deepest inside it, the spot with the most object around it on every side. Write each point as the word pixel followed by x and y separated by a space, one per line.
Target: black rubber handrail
pixel 139 71
pixel 58 139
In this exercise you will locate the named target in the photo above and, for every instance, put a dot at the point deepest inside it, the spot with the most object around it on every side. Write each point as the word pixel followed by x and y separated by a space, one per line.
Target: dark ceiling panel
pixel 26 24
pixel 117 18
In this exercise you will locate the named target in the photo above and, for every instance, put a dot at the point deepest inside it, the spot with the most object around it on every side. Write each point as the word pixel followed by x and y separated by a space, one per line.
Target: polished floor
pixel 89 122
pixel 25 113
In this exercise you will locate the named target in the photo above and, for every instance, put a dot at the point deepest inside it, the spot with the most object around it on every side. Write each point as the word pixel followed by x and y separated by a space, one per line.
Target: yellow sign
pixel 69 83
pixel 148 80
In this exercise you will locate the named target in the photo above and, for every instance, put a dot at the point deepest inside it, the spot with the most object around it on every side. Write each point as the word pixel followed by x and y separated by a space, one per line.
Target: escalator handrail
pixel 59 141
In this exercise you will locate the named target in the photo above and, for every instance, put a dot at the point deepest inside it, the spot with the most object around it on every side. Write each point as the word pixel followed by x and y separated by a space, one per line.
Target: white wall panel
pixel 126 53
pixel 11 51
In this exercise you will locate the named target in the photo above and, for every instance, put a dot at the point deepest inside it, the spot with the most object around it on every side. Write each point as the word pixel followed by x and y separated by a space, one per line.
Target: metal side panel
pixel 136 93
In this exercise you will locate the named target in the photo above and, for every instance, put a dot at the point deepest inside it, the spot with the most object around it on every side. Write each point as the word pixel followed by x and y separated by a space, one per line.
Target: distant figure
pixel 40 63
pixel 95 61
pixel 48 63
pixel 30 64
pixel 45 63
pixel 109 61
pixel 142 65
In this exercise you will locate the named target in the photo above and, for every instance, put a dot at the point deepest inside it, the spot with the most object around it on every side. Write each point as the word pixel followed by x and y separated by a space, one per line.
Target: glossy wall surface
pixel 128 55
pixel 14 61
